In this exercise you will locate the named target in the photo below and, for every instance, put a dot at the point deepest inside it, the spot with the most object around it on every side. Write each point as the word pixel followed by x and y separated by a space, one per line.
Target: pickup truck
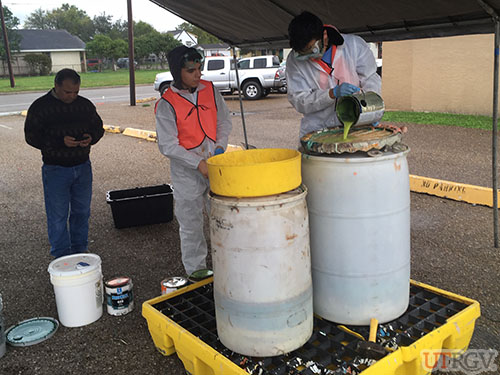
pixel 258 75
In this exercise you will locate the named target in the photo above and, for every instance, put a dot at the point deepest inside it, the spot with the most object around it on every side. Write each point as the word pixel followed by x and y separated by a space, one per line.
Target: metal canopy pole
pixel 131 58
pixel 7 48
pixel 239 96
pixel 488 9
pixel 495 131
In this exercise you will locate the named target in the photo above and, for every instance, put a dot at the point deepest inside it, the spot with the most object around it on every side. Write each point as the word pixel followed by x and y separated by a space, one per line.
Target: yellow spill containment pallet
pixel 184 322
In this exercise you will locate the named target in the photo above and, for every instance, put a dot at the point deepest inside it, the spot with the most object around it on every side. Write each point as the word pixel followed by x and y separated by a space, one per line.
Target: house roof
pixel 177 32
pixel 49 40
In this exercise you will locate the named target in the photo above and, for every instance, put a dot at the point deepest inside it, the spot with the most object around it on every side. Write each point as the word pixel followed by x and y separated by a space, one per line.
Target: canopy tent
pixel 264 24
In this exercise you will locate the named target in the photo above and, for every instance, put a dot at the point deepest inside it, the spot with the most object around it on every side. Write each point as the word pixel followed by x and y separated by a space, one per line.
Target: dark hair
pixel 65 74
pixel 177 58
pixel 303 28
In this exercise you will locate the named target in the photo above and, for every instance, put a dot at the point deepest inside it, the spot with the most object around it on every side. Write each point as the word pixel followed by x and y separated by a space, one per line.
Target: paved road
pixel 21 101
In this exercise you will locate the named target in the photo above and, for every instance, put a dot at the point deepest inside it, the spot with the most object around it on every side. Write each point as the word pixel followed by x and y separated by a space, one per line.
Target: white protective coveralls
pixel 308 84
pixel 190 186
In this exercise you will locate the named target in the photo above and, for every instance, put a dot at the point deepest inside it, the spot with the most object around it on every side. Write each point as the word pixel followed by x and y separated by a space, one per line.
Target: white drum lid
pixel 73 265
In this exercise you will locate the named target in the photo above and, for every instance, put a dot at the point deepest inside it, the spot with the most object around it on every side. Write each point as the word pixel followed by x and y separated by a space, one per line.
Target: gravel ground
pixel 452 242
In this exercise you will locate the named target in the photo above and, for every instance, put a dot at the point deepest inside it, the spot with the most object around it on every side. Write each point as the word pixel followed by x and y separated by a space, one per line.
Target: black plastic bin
pixel 141 205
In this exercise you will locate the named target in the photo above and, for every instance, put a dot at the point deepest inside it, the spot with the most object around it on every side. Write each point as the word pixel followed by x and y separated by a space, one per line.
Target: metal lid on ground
pixel 31 331
pixel 362 138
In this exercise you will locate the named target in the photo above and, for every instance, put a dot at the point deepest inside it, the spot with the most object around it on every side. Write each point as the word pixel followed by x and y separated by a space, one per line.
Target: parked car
pixel 93 64
pixel 122 62
pixel 258 75
pixel 282 77
pixel 162 81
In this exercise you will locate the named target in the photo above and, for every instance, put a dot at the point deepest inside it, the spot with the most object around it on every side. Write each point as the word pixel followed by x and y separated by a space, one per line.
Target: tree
pixel 163 44
pixel 73 20
pixel 143 46
pixel 39 63
pixel 102 24
pixel 142 28
pixel 203 36
pixel 119 48
pixel 119 30
pixel 37 20
pixel 69 18
pixel 14 38
pixel 104 47
pixel 154 42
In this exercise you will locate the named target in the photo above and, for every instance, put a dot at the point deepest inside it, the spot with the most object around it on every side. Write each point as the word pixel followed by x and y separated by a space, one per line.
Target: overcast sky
pixel 142 10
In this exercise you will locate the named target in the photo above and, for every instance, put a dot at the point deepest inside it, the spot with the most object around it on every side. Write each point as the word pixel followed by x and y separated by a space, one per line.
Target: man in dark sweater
pixel 63 125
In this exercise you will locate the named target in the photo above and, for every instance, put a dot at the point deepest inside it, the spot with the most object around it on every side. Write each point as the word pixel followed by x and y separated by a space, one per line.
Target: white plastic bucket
pixel 359 217
pixel 78 287
pixel 262 272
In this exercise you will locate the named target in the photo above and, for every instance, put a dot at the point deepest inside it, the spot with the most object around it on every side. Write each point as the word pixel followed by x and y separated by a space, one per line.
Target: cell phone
pixel 81 137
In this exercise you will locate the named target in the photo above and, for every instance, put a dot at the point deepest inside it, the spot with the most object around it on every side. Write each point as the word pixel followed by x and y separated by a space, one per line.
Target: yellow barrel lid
pixel 255 172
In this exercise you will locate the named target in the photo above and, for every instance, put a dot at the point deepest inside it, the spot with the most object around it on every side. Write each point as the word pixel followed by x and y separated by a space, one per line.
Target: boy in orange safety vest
pixel 192 124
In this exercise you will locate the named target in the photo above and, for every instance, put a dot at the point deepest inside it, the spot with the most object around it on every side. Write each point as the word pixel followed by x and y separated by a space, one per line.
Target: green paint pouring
pixel 347 127
pixel 347 114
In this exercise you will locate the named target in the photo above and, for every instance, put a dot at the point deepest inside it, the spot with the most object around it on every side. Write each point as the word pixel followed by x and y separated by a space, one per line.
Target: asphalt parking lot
pixel 451 242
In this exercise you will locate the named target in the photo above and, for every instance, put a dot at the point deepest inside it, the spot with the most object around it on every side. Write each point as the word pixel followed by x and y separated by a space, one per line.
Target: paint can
pixel 119 295
pixel 361 108
pixel 173 284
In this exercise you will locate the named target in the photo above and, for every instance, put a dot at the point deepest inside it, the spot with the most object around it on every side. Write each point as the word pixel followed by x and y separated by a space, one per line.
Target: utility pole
pixel 7 48
pixel 131 65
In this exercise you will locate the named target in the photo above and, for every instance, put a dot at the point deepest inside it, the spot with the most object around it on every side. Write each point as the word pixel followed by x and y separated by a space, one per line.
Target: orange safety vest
pixel 194 121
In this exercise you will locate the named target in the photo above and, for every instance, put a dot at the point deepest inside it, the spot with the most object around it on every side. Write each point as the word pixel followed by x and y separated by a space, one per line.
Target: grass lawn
pixel 105 78
pixel 435 118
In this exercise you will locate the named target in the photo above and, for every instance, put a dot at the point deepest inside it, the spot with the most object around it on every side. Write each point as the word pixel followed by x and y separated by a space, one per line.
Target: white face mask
pixel 313 53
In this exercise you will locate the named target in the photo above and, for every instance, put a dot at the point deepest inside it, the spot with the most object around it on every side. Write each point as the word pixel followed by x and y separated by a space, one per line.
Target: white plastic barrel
pixel 262 272
pixel 359 218
pixel 77 281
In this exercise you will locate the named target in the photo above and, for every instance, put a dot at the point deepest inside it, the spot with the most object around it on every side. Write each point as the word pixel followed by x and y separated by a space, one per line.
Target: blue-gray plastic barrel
pixel 359 218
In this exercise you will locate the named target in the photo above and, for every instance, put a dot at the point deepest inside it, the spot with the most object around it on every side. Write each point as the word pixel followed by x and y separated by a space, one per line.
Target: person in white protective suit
pixel 192 124
pixel 323 66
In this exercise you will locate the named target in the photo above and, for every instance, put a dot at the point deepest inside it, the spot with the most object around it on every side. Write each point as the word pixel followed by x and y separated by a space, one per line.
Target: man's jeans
pixel 67 191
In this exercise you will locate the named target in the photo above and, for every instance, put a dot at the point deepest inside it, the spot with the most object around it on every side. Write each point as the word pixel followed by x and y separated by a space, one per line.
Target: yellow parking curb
pixel 139 133
pixel 146 100
pixel 452 190
pixel 112 129
pixel 24 113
